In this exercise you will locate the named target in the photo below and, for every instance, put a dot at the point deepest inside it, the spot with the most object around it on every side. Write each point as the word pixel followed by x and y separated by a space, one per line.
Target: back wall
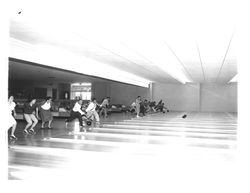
pixel 178 97
pixel 208 97
pixel 126 94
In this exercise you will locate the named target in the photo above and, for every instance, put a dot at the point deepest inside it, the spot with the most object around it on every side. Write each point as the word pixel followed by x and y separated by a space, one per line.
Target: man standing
pixel 104 106
pixel 138 104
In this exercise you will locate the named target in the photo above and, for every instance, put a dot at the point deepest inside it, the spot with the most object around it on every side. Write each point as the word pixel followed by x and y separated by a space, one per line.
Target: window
pixel 81 90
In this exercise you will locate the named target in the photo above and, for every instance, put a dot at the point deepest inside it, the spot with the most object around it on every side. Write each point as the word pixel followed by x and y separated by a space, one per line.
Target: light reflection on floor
pixel 158 140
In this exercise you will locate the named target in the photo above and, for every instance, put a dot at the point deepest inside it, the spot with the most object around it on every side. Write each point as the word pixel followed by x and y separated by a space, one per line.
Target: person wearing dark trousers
pixel 152 105
pixel 76 112
pixel 146 105
pixel 104 107
pixel 142 108
pixel 160 107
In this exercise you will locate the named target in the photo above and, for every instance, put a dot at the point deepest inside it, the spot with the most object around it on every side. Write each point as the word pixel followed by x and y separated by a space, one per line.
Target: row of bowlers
pixel 90 113
pixel 31 113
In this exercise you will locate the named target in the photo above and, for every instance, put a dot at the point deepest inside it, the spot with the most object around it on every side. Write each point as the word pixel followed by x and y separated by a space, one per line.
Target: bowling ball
pixel 88 123
pixel 184 116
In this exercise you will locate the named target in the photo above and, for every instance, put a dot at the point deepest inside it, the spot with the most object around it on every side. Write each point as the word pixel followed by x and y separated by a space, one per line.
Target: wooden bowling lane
pixel 162 126
pixel 181 133
pixel 213 141
pixel 165 123
pixel 194 116
pixel 202 136
pixel 181 121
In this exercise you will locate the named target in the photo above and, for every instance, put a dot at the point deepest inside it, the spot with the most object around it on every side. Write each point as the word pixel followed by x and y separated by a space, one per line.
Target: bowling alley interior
pixel 125 91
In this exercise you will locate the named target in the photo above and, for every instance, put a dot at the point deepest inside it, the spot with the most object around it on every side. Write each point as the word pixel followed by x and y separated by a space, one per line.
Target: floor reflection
pixel 201 136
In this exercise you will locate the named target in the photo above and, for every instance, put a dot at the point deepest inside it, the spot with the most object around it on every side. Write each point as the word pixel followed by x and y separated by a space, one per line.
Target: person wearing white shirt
pixel 76 112
pixel 11 120
pixel 104 106
pixel 45 112
pixel 91 112
pixel 133 107
pixel 137 104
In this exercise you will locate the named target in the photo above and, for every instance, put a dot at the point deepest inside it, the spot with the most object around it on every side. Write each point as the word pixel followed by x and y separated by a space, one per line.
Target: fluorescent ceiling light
pixel 160 56
pixel 143 33
pixel 234 79
pixel 61 58
pixel 151 53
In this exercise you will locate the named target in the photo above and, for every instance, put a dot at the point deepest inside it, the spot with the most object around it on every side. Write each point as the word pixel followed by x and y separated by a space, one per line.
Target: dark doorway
pixel 54 93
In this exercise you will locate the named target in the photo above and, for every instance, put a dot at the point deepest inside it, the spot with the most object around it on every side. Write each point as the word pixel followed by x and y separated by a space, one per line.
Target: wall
pixel 119 93
pixel 99 90
pixel 197 97
pixel 178 97
pixel 219 98
pixel 21 88
pixel 126 94
pixel 27 88
pixel 62 88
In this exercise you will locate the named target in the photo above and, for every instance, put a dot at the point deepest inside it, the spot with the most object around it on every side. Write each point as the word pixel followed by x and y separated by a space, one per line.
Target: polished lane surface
pixel 201 136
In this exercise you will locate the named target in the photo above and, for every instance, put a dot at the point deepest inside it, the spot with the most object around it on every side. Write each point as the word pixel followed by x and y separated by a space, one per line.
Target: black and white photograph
pixel 136 96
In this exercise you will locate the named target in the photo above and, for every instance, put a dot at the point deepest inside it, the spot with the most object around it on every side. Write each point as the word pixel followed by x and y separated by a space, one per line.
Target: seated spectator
pixel 146 105
pixel 160 107
pixel 152 105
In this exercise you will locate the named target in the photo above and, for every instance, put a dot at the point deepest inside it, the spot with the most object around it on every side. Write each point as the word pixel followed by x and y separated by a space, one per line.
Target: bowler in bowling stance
pixel 91 112
pixel 45 112
pixel 104 107
pixel 76 112
pixel 30 115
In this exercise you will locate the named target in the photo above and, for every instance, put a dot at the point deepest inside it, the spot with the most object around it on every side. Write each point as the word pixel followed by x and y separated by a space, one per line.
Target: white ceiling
pixel 155 40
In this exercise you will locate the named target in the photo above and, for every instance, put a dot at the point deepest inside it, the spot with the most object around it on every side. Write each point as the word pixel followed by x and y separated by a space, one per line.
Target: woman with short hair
pixel 45 112
pixel 30 115
pixel 11 114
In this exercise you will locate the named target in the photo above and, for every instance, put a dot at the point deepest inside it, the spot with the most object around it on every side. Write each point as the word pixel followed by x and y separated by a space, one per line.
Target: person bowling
pixel 91 112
